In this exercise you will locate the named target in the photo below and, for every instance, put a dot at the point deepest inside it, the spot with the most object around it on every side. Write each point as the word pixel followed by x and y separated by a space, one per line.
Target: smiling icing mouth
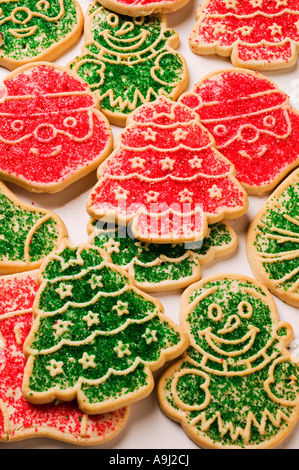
pixel 213 340
pixel 23 32
pixel 126 44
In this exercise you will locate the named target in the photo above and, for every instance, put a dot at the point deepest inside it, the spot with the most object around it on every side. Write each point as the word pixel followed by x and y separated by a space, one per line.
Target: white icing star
pixel 245 30
pixel 87 361
pixel 196 162
pixel 95 281
pixel 121 308
pixel 149 135
pixel 65 290
pixel 215 192
pixel 231 3
pixel 112 246
pixel 152 196
pixel 120 193
pixel 55 367
pixel 167 163
pixel 180 134
pixel 91 318
pixel 122 349
pixel 138 162
pixel 61 327
pixel 150 336
pixel 219 28
pixel 281 3
pixel 275 29
pixel 186 196
pixel 256 3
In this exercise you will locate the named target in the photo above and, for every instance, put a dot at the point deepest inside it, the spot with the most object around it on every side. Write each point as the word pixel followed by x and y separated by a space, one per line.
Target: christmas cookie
pixel 273 241
pixel 143 7
pixel 252 124
pixel 96 336
pixel 33 30
pixel 18 418
pixel 27 233
pixel 237 385
pixel 129 61
pixel 51 133
pixel 256 34
pixel 166 177
pixel 162 267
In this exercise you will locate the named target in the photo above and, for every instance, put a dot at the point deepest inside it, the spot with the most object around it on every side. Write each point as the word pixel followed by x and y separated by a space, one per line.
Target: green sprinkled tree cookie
pixel 162 267
pixel 129 61
pixel 27 234
pixel 33 30
pixel 96 337
pixel 237 384
pixel 273 241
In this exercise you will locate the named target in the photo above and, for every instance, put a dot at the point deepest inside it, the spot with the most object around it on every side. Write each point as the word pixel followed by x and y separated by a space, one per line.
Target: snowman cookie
pixel 136 8
pixel 27 233
pixel 256 34
pixel 19 419
pixel 252 123
pixel 273 241
pixel 32 30
pixel 237 384
pixel 51 132
pixel 129 61
pixel 162 267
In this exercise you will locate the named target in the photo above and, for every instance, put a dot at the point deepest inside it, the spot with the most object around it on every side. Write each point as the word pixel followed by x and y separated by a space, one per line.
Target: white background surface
pixel 147 427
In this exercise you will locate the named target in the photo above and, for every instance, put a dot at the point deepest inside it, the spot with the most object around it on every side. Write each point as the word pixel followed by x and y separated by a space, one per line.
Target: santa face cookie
pixel 129 61
pixel 27 233
pixel 162 267
pixel 273 241
pixel 51 133
pixel 18 418
pixel 136 8
pixel 37 30
pixel 237 385
pixel 166 177
pixel 256 34
pixel 96 336
pixel 252 124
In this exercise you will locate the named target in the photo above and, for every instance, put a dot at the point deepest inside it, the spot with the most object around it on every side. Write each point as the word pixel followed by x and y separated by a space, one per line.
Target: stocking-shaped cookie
pixel 165 266
pixel 252 124
pixel 51 133
pixel 273 241
pixel 143 7
pixel 166 176
pixel 27 233
pixel 18 418
pixel 257 34
pixel 129 61
pixel 237 385
pixel 96 336
pixel 33 30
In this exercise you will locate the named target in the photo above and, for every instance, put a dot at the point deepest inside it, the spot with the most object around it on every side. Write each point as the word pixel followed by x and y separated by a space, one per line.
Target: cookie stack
pixel 80 335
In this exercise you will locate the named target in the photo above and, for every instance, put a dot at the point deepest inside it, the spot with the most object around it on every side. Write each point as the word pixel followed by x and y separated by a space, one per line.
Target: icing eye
pixel 269 121
pixel 43 5
pixel 70 122
pixel 245 309
pixel 17 125
pixel 139 21
pixel 113 20
pixel 220 130
pixel 215 312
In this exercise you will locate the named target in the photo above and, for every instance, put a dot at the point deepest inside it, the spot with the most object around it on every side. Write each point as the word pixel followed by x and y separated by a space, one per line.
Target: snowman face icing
pixel 231 325
pixel 122 35
pixel 30 27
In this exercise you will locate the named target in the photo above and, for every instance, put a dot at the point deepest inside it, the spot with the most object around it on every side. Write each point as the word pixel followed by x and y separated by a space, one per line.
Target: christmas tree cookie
pixel 27 234
pixel 143 7
pixel 33 30
pixel 129 61
pixel 256 34
pixel 96 336
pixel 162 267
pixel 273 241
pixel 51 132
pixel 252 124
pixel 237 384
pixel 18 418
pixel 166 177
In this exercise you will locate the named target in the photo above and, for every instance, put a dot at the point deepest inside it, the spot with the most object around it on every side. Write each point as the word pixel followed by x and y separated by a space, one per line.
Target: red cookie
pixel 252 124
pixel 166 177
pixel 18 418
pixel 143 7
pixel 51 133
